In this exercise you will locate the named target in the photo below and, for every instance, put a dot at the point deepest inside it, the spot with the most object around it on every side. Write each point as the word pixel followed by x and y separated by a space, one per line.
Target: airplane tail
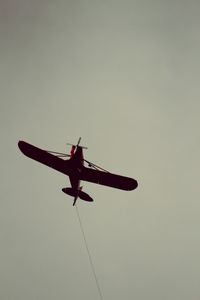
pixel 77 194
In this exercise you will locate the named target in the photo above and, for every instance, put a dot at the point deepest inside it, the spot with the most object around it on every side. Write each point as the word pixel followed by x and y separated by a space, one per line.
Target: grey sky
pixel 124 75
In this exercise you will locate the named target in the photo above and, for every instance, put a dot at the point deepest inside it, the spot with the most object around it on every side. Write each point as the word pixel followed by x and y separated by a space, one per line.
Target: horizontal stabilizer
pixel 82 195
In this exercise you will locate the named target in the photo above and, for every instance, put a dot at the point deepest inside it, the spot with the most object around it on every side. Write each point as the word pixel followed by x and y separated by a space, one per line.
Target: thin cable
pixel 89 254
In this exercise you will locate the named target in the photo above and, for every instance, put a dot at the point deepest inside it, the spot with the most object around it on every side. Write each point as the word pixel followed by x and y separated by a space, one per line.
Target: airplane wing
pixel 108 179
pixel 45 157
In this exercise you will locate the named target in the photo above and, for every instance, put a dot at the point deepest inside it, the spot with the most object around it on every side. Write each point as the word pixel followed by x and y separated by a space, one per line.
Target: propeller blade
pixel 79 141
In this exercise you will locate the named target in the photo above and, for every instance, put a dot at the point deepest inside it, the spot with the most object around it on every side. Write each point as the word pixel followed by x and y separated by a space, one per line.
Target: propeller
pixel 59 154
pixel 77 145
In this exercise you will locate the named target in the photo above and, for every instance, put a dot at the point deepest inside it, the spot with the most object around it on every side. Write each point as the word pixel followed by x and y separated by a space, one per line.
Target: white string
pixel 89 254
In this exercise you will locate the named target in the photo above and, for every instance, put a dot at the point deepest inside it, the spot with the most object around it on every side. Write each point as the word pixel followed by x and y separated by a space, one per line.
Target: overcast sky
pixel 123 75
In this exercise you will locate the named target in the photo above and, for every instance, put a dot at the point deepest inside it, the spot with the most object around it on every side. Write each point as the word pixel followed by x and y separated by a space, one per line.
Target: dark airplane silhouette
pixel 75 169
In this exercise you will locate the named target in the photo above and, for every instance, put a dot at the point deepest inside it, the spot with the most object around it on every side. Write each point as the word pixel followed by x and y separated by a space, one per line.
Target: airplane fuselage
pixel 77 165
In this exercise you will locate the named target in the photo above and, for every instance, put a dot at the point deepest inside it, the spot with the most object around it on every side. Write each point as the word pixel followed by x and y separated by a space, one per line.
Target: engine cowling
pixel 82 195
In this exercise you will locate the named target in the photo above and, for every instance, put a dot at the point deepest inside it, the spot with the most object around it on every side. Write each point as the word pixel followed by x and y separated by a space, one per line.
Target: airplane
pixel 74 167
